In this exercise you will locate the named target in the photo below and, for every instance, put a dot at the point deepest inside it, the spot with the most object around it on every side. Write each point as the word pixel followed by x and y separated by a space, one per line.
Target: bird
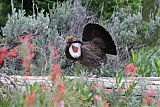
pixel 92 49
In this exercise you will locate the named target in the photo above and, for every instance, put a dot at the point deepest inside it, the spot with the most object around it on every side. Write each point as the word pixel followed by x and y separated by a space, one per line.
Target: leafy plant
pixel 147 61
pixel 107 7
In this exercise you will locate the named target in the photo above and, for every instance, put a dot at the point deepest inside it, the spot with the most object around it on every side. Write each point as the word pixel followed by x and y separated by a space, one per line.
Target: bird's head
pixel 73 48
pixel 70 39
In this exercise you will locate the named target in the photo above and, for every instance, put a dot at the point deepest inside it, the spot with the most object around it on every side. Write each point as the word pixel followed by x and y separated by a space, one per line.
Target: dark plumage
pixel 96 43
pixel 92 31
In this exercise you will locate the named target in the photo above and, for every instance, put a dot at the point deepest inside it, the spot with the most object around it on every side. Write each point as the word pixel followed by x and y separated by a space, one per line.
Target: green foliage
pixel 5 8
pixel 134 4
pixel 132 32
pixel 147 61
pixel 107 7
pixel 6 93
pixel 76 94
pixel 43 4
pixel 19 24
pixel 130 29
pixel 63 19
pixel 118 78
pixel 126 26
pixel 150 9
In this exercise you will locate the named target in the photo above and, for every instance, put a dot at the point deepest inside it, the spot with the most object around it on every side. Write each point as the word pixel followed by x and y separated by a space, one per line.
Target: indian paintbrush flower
pixel 13 53
pixel 131 69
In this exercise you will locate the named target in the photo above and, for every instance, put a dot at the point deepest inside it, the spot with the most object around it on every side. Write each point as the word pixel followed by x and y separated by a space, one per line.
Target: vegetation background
pixel 133 24
pixel 108 6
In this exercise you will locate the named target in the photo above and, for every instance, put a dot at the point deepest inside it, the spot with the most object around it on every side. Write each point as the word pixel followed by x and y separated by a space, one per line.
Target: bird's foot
pixel 91 75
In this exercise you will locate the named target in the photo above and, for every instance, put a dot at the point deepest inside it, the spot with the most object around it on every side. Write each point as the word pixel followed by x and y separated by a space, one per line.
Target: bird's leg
pixel 95 73
pixel 67 64
pixel 99 72
pixel 91 73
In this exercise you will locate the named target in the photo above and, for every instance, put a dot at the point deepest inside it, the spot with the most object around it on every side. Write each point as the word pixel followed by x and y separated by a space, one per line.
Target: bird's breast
pixel 92 57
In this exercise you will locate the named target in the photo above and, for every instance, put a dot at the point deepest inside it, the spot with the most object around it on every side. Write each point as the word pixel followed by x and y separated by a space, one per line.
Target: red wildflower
pixel 55 54
pixel 97 98
pixel 50 45
pixel 106 104
pixel 98 85
pixel 109 91
pixel 30 47
pixel 3 52
pixel 55 71
pixel 130 69
pixel 94 86
pixel 32 96
pixel 56 68
pixel 30 99
pixel 148 99
pixel 30 56
pixel 45 88
pixel 29 37
pixel 26 78
pixel 21 39
pixel 150 93
pixel 53 76
pixel 56 57
pixel 158 103
pixel 60 89
pixel 25 37
pixel 27 73
pixel 13 53
pixel 1 61
pixel 56 101
pixel 26 63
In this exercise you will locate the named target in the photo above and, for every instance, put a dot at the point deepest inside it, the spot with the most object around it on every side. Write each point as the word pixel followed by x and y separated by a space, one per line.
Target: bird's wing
pixel 92 49
pixel 91 55
pixel 93 31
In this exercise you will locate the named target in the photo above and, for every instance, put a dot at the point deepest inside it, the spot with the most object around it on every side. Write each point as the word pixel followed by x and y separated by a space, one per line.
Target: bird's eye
pixel 75 49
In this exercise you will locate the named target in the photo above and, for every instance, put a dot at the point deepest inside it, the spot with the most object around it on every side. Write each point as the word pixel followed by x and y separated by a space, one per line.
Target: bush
pixel 132 32
pixel 147 61
pixel 107 7
pixel 68 92
pixel 63 19
pixel 33 45
pixel 128 29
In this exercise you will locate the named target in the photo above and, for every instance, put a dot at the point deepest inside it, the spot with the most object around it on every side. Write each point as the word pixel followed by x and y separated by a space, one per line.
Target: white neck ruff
pixel 75 54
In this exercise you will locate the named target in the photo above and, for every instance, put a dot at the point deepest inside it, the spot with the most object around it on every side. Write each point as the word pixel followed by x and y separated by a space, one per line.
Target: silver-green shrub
pixel 132 32
pixel 128 29
pixel 62 20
